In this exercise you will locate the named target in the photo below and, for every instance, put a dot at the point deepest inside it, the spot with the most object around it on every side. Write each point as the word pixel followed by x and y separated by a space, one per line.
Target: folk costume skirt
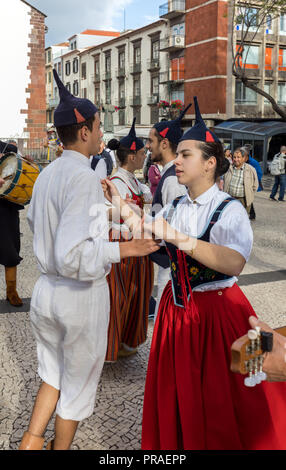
pixel 192 400
pixel 130 283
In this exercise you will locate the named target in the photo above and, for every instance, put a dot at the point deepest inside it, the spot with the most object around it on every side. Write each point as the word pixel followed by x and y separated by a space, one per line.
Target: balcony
pixel 136 100
pixel 120 73
pixel 107 75
pixel 121 102
pixel 153 99
pixel 172 9
pixel 172 76
pixel 96 77
pixel 153 64
pixel 172 43
pixel 135 68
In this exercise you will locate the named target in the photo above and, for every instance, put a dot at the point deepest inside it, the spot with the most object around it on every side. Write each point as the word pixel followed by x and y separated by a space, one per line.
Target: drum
pixel 20 176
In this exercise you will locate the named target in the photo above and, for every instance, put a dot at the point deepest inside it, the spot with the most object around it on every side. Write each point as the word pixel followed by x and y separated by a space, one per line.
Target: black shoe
pixel 281 200
pixel 273 198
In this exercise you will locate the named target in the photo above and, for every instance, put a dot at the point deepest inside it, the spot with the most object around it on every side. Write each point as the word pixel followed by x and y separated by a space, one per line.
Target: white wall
pixel 14 76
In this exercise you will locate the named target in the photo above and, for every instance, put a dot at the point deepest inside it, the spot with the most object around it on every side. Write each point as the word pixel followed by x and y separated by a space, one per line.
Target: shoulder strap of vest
pixel 216 215
pixel 173 208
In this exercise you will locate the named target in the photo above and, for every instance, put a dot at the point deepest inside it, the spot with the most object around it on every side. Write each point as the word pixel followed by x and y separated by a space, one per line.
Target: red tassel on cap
pixel 209 137
pixel 164 132
pixel 133 146
pixel 79 117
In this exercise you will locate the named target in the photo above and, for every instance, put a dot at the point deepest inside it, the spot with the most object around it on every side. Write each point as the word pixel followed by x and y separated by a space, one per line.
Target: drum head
pixel 8 168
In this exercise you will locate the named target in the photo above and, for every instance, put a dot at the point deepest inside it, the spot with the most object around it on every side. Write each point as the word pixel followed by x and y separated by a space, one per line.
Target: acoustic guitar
pixel 248 353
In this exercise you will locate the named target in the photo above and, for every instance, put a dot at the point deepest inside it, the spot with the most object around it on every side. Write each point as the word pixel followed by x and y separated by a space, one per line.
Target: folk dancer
pixel 131 280
pixel 192 400
pixel 70 301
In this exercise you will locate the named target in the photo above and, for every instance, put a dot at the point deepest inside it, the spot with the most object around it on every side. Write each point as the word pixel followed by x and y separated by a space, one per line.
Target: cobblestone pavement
pixel 116 421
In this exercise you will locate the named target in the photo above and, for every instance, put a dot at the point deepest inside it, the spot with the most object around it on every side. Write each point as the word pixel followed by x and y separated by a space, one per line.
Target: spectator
pixel 228 155
pixel 245 150
pixel 103 155
pixel 280 179
pixel 154 176
pixel 241 180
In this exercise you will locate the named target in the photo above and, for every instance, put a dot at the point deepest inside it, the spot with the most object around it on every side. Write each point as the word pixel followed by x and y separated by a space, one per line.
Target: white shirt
pixel 67 216
pixel 232 230
pixel 128 180
pixel 171 187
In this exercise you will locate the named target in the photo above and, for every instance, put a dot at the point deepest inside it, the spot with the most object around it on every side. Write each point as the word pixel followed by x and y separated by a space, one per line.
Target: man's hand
pixel 109 189
pixel 274 364
pixel 138 247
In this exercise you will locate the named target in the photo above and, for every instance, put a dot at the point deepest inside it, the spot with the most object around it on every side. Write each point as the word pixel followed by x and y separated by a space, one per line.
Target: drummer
pixel 10 237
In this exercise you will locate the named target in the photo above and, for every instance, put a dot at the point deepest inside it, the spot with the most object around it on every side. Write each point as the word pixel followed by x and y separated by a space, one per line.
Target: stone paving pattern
pixel 116 421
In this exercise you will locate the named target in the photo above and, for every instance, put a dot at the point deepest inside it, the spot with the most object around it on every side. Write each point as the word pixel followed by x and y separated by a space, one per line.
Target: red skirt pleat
pixel 192 400
pixel 130 283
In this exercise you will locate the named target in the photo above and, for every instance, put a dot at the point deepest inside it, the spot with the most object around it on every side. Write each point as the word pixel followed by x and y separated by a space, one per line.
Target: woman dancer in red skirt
pixel 192 399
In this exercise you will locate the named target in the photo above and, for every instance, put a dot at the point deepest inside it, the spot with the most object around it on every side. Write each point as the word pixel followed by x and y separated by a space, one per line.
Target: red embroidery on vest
pixel 209 137
pixel 79 117
pixel 164 132
pixel 133 146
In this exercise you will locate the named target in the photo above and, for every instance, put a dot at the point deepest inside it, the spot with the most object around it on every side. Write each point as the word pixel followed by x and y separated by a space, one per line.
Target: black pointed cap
pixel 172 130
pixel 131 141
pixel 199 131
pixel 71 110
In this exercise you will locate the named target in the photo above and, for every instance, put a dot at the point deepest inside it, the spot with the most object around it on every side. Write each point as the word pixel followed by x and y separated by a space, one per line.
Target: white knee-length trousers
pixel 70 322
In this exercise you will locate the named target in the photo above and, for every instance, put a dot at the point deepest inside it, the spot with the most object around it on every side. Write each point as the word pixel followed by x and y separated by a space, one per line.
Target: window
pixel 50 77
pixel 155 49
pixel 268 24
pixel 108 92
pixel 283 23
pixel 75 66
pixel 137 87
pixel 59 68
pixel 177 95
pixel 282 93
pixel 244 95
pixel 121 90
pixel 75 88
pixel 83 71
pixel 268 58
pixel 282 59
pixel 155 85
pixel 68 68
pixel 250 55
pixel 68 86
pixel 248 18
pixel 108 63
pixel 97 96
pixel 137 55
pixel 84 93
pixel 121 60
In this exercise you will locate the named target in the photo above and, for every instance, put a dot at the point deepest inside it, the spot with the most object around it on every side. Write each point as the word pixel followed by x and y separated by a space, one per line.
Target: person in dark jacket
pixel 105 155
pixel 10 238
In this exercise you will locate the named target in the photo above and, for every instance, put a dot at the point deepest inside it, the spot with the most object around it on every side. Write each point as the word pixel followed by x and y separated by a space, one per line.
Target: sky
pixel 68 17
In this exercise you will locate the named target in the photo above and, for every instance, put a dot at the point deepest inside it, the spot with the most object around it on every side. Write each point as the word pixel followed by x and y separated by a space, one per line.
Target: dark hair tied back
pixel 113 144
pixel 215 149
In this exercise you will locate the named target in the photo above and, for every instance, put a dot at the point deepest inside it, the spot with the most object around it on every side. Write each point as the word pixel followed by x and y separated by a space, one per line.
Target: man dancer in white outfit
pixel 70 302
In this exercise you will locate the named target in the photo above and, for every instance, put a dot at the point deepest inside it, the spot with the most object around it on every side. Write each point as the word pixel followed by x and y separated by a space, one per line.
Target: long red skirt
pixel 192 400
pixel 130 284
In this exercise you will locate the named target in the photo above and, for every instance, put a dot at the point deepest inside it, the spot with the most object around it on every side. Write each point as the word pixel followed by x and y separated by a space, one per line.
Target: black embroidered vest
pixel 187 273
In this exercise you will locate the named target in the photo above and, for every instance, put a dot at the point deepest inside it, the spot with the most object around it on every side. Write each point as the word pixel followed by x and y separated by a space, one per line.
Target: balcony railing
pixel 153 64
pixel 172 76
pixel 136 100
pixel 96 77
pixel 172 9
pixel 120 72
pixel 136 68
pixel 172 42
pixel 107 75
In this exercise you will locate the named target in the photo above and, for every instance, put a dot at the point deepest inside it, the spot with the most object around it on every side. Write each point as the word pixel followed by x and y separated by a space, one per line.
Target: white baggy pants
pixel 70 322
